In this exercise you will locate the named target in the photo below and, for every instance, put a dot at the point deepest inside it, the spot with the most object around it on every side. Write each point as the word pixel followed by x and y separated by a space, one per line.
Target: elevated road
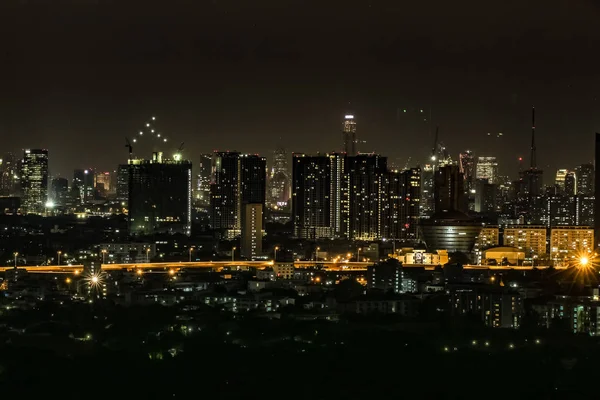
pixel 219 266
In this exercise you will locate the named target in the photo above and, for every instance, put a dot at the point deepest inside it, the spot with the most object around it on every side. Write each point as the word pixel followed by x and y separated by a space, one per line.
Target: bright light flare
pixel 95 280
pixel 584 261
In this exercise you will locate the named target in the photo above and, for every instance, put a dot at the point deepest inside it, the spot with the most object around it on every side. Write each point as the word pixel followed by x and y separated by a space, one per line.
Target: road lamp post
pixel 148 255
pixel 58 253
pixel 233 253
pixel 358 255
pixel 16 255
pixel 103 256
pixel 275 256
pixel 191 249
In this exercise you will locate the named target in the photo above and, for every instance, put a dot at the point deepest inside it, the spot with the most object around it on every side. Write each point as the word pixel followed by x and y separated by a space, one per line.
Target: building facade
pixel 160 195
pixel 34 180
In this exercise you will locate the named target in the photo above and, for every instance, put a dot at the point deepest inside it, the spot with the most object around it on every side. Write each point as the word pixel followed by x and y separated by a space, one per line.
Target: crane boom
pixel 435 143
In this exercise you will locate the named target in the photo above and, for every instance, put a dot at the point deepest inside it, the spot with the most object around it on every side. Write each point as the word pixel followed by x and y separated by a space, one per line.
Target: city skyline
pixel 219 78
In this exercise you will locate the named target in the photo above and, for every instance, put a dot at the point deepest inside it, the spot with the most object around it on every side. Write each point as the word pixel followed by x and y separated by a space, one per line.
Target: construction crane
pixel 128 145
pixel 435 144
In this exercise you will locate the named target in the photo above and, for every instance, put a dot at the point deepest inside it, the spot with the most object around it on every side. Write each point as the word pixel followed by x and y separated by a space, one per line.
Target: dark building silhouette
pixel 311 196
pixel 238 179
pixel 365 191
pixel 160 195
pixel 597 193
pixel 123 184
pixel 59 191
pixel 83 181
pixel 448 186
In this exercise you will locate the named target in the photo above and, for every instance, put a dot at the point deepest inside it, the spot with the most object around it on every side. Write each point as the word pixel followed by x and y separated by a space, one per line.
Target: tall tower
pixel 34 180
pixel 533 176
pixel 597 194
pixel 349 135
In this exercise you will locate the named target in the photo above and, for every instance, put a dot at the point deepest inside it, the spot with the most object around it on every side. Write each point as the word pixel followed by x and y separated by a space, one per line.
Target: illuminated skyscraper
pixel 365 174
pixel 559 181
pixel 487 169
pixel 467 168
pixel 103 183
pixel 10 182
pixel 252 230
pixel 160 195
pixel 349 135
pixel 571 183
pixel 34 178
pixel 427 205
pixel 279 180
pixel 204 176
pixel 123 184
pixel 83 181
pixel 585 179
pixel 311 197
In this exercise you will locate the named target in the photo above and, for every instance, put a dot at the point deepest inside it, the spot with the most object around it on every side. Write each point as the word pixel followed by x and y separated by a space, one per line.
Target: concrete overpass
pixel 218 266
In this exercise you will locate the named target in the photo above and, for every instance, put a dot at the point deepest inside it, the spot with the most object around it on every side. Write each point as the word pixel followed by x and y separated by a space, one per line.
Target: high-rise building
pixel 34 179
pixel 204 176
pixel 10 182
pixel 411 198
pixel 365 174
pixel 349 135
pixel 252 230
pixel 449 193
pixel 466 163
pixel 160 195
pixel 585 210
pixel 597 193
pixel 339 195
pixel 311 197
pixel 279 180
pixel 585 179
pixel 103 183
pixel 487 169
pixel 427 205
pixel 571 183
pixel 561 210
pixel 485 196
pixel 59 191
pixel 238 179
pixel 559 181
pixel 83 181
pixel 123 184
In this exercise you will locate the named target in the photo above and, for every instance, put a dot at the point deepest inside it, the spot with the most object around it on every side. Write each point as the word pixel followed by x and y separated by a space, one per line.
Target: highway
pixel 237 265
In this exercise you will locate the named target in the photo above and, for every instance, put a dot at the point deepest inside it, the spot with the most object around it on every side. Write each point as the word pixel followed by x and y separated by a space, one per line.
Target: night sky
pixel 79 76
